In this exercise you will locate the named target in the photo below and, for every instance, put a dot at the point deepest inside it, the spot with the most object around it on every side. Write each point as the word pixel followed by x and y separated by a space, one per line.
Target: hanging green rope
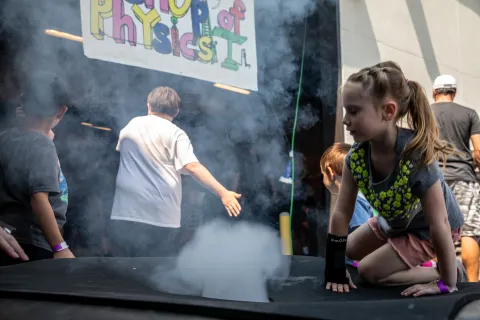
pixel 292 194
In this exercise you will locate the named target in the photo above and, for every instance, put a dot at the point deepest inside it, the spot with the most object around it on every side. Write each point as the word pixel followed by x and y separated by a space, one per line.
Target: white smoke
pixel 229 261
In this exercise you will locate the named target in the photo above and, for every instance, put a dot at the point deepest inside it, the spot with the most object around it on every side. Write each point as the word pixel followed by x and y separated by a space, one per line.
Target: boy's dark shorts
pixel 134 239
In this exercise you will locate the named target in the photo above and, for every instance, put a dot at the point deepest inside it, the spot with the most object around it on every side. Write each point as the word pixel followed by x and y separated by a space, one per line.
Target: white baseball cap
pixel 445 82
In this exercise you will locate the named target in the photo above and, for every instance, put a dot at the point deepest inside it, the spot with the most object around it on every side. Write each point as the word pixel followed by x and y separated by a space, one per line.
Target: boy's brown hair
pixel 164 100
pixel 334 157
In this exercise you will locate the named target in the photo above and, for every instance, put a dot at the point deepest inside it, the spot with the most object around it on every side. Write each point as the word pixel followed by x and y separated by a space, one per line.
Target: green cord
pixel 293 134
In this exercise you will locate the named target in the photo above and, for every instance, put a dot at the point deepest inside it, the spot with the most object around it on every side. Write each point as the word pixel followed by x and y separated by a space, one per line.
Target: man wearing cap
pixel 458 125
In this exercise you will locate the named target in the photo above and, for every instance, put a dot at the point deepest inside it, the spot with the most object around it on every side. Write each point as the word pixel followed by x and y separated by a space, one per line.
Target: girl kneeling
pixel 397 171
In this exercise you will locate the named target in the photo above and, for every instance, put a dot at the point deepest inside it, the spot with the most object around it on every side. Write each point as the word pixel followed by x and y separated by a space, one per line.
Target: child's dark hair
pixel 44 95
pixel 387 79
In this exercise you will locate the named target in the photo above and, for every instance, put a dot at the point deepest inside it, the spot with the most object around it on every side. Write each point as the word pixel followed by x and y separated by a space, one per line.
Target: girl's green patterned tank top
pixel 397 202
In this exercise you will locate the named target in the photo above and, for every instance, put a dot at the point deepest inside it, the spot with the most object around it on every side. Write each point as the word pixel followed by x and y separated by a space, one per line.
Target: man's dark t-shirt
pixel 29 164
pixel 457 124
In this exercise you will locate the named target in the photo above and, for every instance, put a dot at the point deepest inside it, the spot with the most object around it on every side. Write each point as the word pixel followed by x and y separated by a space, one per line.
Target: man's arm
pixel 475 137
pixel 48 224
pixel 202 175
pixel 476 149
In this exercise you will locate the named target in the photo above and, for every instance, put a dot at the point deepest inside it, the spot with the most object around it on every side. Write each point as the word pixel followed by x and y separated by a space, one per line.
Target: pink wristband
pixel 443 288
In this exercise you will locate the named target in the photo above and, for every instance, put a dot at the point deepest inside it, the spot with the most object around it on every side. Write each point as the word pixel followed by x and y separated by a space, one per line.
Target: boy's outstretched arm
pixel 46 219
pixel 202 175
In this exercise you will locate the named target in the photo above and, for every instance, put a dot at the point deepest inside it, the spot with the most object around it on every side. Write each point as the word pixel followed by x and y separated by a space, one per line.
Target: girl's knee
pixel 368 272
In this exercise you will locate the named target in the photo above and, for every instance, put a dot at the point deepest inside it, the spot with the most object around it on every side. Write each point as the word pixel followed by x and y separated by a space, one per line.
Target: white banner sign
pixel 212 40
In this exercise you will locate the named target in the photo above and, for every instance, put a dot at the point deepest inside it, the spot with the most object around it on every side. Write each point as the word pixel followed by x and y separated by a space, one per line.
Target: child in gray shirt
pixel 31 199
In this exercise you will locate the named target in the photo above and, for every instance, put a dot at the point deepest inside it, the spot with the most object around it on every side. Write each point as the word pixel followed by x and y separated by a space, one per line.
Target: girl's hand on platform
pixel 342 287
pixel 422 290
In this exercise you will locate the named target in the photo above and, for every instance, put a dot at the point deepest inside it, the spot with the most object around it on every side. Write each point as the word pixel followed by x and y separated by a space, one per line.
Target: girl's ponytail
pixel 422 121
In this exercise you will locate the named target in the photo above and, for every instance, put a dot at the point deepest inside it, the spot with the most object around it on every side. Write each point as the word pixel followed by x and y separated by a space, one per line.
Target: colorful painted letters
pixel 210 40
pixel 159 23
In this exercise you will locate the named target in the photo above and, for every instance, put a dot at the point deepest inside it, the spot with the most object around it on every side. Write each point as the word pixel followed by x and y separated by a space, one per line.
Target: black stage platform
pixel 119 288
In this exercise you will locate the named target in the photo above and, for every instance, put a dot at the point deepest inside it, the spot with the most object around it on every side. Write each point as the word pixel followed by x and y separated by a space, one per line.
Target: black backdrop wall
pixel 223 125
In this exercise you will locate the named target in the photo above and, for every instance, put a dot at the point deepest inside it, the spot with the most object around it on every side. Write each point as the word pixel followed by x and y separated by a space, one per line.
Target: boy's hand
pixel 229 200
pixel 64 254
pixel 10 246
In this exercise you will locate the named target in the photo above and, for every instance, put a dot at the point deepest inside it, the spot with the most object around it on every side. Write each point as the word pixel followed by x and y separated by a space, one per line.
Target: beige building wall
pixel 426 37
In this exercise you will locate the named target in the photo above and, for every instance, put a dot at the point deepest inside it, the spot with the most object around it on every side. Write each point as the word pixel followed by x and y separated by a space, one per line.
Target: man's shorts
pixel 468 199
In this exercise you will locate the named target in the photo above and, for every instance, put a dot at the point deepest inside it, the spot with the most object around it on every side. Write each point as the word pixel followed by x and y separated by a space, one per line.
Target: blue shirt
pixel 363 212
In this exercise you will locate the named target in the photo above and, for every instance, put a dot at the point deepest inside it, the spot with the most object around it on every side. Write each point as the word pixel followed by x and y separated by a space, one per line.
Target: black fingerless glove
pixel 335 270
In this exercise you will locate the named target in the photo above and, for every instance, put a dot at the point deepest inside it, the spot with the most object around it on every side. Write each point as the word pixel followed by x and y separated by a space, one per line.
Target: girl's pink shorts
pixel 411 250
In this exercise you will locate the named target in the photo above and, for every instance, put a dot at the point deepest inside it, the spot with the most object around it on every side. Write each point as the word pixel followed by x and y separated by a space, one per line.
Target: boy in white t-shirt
pixel 154 153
